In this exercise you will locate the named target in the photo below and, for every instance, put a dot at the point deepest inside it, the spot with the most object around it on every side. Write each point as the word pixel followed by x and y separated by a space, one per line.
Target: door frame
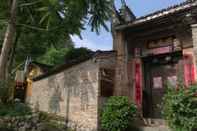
pixel 148 112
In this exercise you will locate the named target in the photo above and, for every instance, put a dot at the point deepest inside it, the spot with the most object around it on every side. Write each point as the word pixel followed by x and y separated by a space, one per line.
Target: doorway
pixel 158 72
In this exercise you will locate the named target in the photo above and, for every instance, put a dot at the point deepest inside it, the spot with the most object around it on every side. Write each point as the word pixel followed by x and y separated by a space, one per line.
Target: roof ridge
pixel 168 8
pixel 189 4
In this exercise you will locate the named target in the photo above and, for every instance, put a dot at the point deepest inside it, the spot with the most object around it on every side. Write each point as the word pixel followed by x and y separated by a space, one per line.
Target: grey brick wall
pixel 73 94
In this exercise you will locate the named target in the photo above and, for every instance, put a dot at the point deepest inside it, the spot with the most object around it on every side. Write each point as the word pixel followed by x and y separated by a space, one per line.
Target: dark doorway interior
pixel 20 91
pixel 158 71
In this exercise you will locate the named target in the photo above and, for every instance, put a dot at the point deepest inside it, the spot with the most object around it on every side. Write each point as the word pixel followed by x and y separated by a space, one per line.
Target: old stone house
pixel 76 90
pixel 149 53
pixel 153 51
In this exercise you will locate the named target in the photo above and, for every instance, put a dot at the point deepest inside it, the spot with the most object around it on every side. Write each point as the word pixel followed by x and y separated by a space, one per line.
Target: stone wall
pixel 33 122
pixel 73 94
pixel 25 123
pixel 121 77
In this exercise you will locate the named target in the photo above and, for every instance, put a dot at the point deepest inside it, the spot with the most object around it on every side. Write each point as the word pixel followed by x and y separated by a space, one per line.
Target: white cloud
pixel 88 43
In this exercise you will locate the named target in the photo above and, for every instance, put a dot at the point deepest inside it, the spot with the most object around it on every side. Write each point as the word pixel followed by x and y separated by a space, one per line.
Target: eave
pixel 182 8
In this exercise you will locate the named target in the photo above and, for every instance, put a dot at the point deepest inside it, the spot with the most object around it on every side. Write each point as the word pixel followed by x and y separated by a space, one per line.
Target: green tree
pixel 53 56
pixel 8 38
pixel 37 44
pixel 60 56
pixel 61 17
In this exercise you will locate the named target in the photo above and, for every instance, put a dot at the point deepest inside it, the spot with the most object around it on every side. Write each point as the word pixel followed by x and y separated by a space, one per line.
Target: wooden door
pixel 160 76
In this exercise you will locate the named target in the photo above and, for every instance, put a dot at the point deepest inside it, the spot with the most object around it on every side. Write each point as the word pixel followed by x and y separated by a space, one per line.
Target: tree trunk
pixel 8 41
pixel 13 52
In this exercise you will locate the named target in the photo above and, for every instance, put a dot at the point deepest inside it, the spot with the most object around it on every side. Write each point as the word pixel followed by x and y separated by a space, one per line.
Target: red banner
pixel 189 70
pixel 138 84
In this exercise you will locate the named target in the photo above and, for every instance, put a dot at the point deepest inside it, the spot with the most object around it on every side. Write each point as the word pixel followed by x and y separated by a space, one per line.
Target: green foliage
pixel 180 108
pixel 4 127
pixel 53 126
pixel 77 53
pixel 72 14
pixel 5 91
pixel 14 109
pixel 44 116
pixel 4 11
pixel 66 16
pixel 53 56
pixel 52 122
pixel 2 32
pixel 118 114
pixel 36 43
pixel 45 23
pixel 60 56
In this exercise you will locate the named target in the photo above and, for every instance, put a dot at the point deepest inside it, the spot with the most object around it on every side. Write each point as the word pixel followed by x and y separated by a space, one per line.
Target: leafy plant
pixel 118 114
pixel 52 122
pixel 54 21
pixel 180 108
pixel 6 91
pixel 14 109
pixel 4 127
pixel 52 126
pixel 77 53
pixel 44 116
pixel 60 56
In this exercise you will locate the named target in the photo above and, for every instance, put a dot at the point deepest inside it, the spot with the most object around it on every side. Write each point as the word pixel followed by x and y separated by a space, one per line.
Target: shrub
pixel 117 114
pixel 44 116
pixel 60 56
pixel 52 126
pixel 14 109
pixel 52 122
pixel 180 108
pixel 5 93
pixel 4 127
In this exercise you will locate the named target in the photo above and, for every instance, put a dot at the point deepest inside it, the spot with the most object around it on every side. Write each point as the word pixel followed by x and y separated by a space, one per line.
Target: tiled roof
pixel 60 68
pixel 69 64
pixel 161 13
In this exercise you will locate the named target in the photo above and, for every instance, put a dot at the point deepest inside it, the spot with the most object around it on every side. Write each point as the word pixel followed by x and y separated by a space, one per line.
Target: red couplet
pixel 189 70
pixel 138 84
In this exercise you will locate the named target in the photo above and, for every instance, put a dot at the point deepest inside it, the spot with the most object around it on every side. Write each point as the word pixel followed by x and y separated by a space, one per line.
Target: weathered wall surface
pixel 32 122
pixel 73 94
pixel 121 77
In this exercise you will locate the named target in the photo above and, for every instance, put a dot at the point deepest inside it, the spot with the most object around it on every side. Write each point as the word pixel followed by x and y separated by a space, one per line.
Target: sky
pixel 104 41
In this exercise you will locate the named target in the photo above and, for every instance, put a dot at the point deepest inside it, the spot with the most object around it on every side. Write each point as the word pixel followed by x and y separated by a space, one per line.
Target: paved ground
pixel 159 128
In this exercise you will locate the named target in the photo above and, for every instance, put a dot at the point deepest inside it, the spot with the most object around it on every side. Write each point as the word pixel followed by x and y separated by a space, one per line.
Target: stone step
pixel 151 124
pixel 157 128
pixel 154 122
